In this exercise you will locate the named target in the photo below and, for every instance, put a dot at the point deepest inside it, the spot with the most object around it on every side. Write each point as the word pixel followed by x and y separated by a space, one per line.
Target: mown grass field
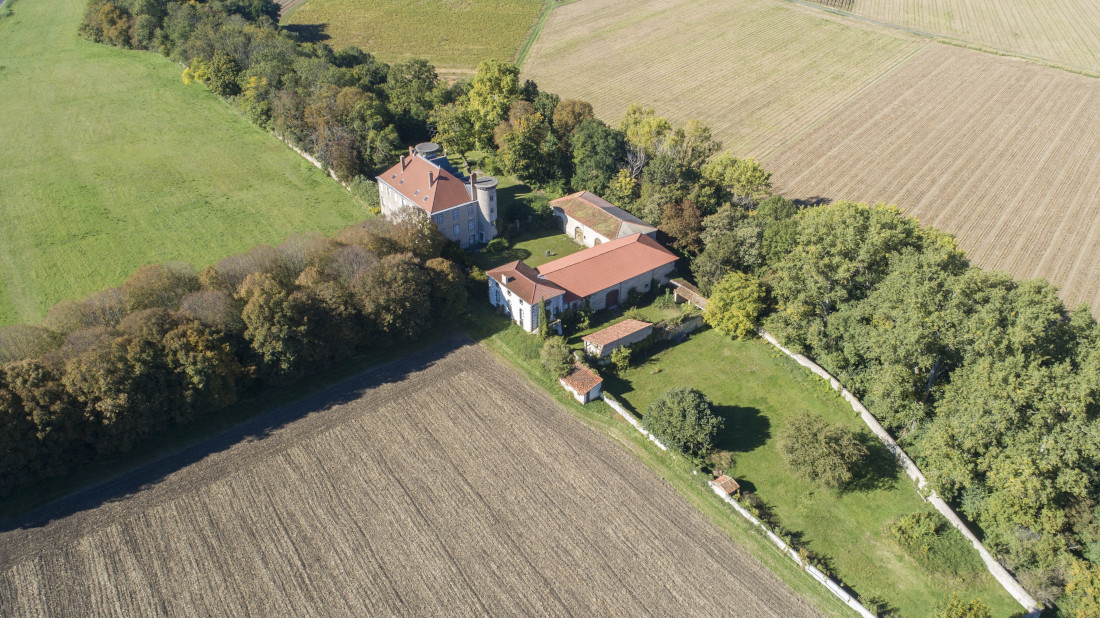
pixel 995 150
pixel 757 391
pixel 109 162
pixel 454 35
pixel 1066 32
pixel 442 484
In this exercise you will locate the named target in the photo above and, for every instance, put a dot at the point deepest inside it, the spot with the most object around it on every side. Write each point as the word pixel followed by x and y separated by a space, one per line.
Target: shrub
pixel 556 357
pixel 685 419
pixel 957 608
pixel 497 245
pixel 620 358
pixel 927 539
pixel 820 452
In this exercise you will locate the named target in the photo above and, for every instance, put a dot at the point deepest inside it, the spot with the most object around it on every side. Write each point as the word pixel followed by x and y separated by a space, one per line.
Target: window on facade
pixel 455 214
pixel 472 226
pixel 470 210
pixel 473 239
pixel 458 229
pixel 439 219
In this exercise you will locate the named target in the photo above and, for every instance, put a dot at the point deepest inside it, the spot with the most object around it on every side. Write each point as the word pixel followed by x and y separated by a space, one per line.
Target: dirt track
pixel 443 484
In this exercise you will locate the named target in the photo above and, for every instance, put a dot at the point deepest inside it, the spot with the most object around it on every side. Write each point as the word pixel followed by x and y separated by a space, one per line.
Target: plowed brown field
pixel 996 150
pixel 442 485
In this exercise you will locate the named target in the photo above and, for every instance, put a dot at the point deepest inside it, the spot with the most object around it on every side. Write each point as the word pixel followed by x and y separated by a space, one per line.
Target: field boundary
pixel 949 40
pixel 814 572
pixel 998 572
pixel 616 406
pixel 536 30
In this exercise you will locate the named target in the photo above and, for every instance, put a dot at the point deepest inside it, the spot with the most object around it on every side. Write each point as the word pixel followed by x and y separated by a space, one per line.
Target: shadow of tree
pixel 814 200
pixel 879 470
pixel 309 33
pixel 746 429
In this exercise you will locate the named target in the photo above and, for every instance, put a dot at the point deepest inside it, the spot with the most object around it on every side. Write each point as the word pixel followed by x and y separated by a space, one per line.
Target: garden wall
pixel 999 572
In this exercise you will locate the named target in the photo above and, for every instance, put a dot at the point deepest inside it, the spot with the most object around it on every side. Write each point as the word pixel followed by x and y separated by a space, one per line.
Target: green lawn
pixel 757 390
pixel 454 36
pixel 109 162
pixel 532 248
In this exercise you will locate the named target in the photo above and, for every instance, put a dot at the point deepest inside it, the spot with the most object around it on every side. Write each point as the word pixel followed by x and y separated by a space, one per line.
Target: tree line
pixel 171 345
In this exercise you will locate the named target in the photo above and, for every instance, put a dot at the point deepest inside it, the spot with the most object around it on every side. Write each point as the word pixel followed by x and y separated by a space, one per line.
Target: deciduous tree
pixel 685 419
pixel 735 306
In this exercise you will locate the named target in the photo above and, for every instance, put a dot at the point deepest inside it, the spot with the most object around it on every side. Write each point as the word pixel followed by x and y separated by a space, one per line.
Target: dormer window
pixel 417 192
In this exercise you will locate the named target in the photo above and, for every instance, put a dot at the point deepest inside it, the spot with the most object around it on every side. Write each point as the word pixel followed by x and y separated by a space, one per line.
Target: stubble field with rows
pixel 1065 32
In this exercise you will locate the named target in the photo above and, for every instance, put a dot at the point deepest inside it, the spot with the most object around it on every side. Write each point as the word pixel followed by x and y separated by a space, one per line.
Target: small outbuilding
pixel 687 292
pixel 726 485
pixel 603 342
pixel 583 383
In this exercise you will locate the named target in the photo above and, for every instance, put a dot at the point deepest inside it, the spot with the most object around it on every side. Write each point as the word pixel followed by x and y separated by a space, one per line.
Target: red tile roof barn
pixel 523 281
pixel 427 185
pixel 615 332
pixel 601 215
pixel 581 379
pixel 597 268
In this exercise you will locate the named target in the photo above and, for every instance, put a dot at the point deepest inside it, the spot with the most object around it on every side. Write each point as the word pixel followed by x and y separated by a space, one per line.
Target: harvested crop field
pixel 441 484
pixel 1000 152
pixel 996 150
pixel 753 70
pixel 1065 32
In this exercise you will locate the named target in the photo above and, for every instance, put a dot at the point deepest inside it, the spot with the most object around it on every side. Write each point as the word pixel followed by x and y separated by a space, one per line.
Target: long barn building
pixel 601 276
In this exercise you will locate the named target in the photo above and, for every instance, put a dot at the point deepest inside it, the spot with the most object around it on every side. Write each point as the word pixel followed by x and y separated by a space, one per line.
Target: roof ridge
pixel 592 252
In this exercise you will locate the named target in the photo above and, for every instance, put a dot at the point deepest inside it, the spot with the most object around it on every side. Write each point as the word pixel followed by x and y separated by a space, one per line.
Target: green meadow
pixel 108 162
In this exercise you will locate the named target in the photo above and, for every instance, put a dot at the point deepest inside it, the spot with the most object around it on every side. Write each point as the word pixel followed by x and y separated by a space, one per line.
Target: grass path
pixel 111 162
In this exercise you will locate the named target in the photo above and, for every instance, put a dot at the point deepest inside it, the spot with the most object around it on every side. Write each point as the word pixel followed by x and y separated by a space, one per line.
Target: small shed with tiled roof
pixel 591 220
pixel 583 383
pixel 605 341
pixel 726 485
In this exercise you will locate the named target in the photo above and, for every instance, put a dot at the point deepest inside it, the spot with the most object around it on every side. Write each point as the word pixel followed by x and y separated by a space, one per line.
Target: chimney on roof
pixel 404 162
pixel 410 151
pixel 473 185
pixel 431 178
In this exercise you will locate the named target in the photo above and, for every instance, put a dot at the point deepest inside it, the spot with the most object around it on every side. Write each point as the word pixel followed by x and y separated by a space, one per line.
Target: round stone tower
pixel 428 150
pixel 484 190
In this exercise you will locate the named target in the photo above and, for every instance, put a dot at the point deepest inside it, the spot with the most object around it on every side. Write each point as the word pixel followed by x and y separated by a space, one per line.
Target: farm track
pixel 440 484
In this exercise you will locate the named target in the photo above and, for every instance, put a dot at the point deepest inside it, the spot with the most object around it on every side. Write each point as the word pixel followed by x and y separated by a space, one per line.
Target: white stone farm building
pixel 601 275
pixel 591 220
pixel 424 184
